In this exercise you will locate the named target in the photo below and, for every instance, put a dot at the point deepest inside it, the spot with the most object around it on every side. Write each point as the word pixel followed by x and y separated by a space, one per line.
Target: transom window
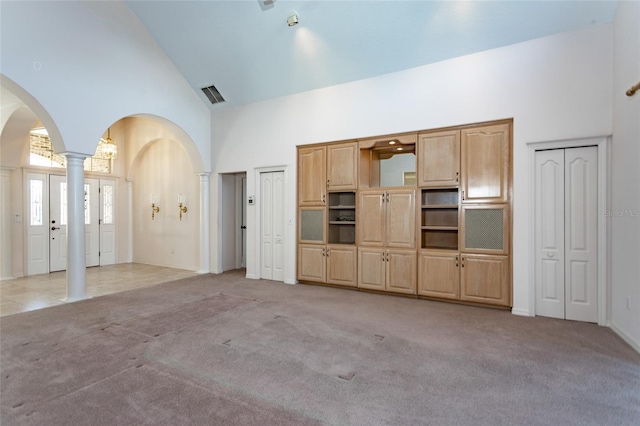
pixel 41 154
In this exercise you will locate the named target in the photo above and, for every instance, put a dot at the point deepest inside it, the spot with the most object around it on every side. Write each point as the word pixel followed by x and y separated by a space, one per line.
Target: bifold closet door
pixel 272 225
pixel 566 202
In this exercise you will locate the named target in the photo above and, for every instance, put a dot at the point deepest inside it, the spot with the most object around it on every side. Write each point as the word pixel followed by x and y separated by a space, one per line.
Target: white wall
pixel 557 87
pixel 165 170
pixel 625 174
pixel 93 63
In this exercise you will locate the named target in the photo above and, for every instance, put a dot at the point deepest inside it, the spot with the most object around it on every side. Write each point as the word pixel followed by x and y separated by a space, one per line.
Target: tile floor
pixel 41 291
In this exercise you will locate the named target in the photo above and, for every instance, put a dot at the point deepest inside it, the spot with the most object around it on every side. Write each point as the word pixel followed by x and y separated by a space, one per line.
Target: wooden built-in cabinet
pixel 444 235
pixel 342 166
pixel 439 274
pixel 387 218
pixel 485 158
pixel 332 264
pixel 392 270
pixel 485 279
pixel 438 156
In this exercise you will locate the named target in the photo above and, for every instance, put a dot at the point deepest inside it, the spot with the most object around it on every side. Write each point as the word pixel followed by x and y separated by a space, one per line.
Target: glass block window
pixel 35 213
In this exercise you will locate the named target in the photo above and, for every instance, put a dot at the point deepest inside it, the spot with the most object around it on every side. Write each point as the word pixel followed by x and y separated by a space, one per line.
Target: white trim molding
pixel 602 143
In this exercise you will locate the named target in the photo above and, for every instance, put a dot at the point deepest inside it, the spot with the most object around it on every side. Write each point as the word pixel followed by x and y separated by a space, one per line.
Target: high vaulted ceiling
pixel 246 49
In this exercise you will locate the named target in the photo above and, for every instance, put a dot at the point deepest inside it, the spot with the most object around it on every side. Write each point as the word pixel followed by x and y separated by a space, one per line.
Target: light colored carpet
pixel 221 349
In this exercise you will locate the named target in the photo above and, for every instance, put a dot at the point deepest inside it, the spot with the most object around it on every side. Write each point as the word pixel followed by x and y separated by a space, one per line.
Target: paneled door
pixel 272 225
pixel 107 222
pixel 58 222
pixel 566 200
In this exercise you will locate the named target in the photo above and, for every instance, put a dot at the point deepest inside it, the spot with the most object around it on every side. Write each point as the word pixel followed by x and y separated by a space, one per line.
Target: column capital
pixel 203 174
pixel 74 155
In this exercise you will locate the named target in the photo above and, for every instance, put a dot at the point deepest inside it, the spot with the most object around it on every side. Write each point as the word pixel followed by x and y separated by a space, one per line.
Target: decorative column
pixel 6 253
pixel 130 219
pixel 76 260
pixel 205 253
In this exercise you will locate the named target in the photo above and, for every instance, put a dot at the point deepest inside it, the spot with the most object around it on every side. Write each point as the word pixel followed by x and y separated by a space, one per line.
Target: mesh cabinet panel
pixel 484 229
pixel 311 225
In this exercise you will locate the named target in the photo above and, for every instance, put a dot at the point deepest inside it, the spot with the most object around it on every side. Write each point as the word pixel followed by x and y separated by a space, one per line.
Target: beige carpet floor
pixel 224 350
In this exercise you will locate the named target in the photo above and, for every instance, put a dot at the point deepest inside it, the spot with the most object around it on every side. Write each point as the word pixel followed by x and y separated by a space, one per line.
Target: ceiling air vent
pixel 212 93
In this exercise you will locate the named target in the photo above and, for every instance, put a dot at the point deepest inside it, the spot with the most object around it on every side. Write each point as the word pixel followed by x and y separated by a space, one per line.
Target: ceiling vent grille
pixel 213 95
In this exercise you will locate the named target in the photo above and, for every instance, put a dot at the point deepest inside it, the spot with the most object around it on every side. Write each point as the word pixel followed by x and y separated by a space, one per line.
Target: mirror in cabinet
pixel 388 161
pixel 311 225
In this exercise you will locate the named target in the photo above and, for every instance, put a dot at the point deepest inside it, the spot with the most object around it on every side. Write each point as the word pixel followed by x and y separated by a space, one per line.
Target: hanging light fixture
pixel 109 149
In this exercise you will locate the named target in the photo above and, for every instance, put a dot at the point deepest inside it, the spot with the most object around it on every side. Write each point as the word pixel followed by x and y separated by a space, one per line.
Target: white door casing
pixel 566 238
pixel 272 225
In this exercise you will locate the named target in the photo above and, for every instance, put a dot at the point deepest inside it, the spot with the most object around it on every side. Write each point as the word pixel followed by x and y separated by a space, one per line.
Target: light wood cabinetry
pixel 485 279
pixel 438 159
pixel 444 235
pixel 387 218
pixel 333 264
pixel 439 218
pixel 342 167
pixel 312 176
pixel 485 229
pixel 485 164
pixel 439 274
pixel 390 270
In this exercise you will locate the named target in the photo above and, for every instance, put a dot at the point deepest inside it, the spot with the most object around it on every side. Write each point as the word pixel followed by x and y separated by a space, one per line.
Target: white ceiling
pixel 246 49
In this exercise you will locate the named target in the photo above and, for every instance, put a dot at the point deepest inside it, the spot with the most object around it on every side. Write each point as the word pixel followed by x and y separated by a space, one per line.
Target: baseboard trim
pixel 635 345
pixel 252 277
pixel 521 312
pixel 291 281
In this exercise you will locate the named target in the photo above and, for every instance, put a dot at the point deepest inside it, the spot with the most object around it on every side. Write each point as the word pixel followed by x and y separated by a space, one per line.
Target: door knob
pixel 243 227
pixel 53 228
pixel 550 254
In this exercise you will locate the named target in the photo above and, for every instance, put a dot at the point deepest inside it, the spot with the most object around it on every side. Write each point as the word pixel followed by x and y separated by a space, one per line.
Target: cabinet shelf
pixel 440 228
pixel 341 222
pixel 440 206
pixel 342 207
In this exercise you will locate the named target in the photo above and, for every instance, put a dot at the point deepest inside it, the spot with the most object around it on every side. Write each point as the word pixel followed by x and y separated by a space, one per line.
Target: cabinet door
pixel 485 279
pixel 312 176
pixel 401 218
pixel 485 164
pixel 341 265
pixel 342 166
pixel 312 263
pixel 371 218
pixel 401 271
pixel 312 225
pixel 371 269
pixel 439 274
pixel 439 159
pixel 485 229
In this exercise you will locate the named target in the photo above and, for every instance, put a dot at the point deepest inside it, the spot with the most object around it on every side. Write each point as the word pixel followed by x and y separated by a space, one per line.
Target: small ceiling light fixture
pixel 292 19
pixel 399 148
pixel 109 149
pixel 392 142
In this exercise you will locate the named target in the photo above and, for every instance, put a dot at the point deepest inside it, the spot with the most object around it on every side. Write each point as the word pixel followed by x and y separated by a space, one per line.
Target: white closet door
pixel 581 233
pixel 272 225
pixel 549 205
pixel 566 203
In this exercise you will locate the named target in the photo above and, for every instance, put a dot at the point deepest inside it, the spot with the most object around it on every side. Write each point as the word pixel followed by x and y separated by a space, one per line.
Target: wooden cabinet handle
pixel 457 176
pixel 328 252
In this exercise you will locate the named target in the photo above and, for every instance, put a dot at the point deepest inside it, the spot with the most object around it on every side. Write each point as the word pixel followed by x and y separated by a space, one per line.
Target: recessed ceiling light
pixel 399 148
pixel 392 142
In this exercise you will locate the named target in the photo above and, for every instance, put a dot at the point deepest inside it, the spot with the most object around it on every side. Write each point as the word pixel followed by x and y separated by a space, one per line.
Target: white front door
pixel 566 199
pixel 37 224
pixel 272 225
pixel 58 222
pixel 107 222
